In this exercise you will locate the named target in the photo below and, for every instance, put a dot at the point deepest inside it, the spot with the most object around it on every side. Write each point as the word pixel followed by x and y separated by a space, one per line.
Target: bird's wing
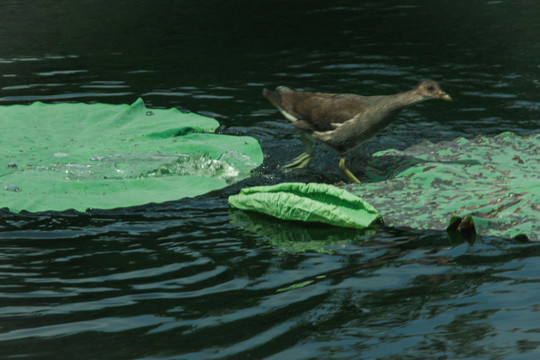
pixel 326 111
pixel 316 111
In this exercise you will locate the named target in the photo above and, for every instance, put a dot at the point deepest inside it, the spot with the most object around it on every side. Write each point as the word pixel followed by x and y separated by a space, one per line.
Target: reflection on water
pixel 180 280
pixel 295 236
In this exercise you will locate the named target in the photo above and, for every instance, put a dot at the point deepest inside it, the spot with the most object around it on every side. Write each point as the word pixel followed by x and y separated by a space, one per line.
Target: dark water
pixel 191 280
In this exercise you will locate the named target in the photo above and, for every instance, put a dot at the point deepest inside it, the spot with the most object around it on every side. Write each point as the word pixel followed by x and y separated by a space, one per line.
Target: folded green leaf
pixel 307 202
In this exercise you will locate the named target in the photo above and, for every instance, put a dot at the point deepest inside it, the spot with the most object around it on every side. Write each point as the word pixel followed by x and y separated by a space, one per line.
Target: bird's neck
pixel 398 101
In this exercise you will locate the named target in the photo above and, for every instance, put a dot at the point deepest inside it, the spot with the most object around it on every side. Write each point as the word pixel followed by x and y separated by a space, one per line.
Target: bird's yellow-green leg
pixel 303 159
pixel 299 162
pixel 347 172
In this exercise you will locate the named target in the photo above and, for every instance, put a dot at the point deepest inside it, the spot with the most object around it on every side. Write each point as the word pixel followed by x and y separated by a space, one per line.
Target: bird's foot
pixel 351 176
pixel 299 162
pixel 348 172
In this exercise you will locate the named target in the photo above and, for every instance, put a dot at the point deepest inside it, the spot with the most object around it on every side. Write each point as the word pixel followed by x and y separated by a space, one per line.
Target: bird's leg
pixel 303 159
pixel 299 162
pixel 347 172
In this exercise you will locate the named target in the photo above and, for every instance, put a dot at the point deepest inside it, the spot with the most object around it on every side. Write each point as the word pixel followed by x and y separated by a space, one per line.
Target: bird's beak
pixel 444 96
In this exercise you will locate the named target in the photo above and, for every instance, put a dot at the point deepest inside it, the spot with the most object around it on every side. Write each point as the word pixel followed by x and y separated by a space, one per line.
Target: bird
pixel 344 121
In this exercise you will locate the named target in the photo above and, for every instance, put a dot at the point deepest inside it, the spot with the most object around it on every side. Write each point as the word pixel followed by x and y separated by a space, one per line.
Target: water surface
pixel 191 279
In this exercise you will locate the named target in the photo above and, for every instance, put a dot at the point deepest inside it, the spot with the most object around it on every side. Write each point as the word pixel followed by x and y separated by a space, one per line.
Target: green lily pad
pixel 79 156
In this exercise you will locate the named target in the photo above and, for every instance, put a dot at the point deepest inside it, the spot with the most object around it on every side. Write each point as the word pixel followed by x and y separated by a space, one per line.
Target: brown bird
pixel 344 121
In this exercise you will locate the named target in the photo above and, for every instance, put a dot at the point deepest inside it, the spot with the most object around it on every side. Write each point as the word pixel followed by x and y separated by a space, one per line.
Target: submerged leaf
pixel 485 186
pixel 296 286
pixel 492 183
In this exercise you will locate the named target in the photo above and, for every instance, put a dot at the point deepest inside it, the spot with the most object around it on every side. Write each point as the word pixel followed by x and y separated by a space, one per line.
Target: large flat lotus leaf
pixel 79 156
pixel 307 202
pixel 495 182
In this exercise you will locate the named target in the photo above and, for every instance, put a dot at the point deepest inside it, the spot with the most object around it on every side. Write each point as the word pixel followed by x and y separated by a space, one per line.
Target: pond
pixel 192 279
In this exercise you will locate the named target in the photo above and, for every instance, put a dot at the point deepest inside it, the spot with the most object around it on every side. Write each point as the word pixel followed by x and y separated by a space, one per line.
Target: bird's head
pixel 429 89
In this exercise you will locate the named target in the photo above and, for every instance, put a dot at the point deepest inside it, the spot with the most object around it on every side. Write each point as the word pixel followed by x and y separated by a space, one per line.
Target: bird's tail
pixel 272 96
pixel 275 98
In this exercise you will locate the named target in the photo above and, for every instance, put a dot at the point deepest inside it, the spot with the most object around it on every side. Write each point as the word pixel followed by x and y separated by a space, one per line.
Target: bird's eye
pixel 430 87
